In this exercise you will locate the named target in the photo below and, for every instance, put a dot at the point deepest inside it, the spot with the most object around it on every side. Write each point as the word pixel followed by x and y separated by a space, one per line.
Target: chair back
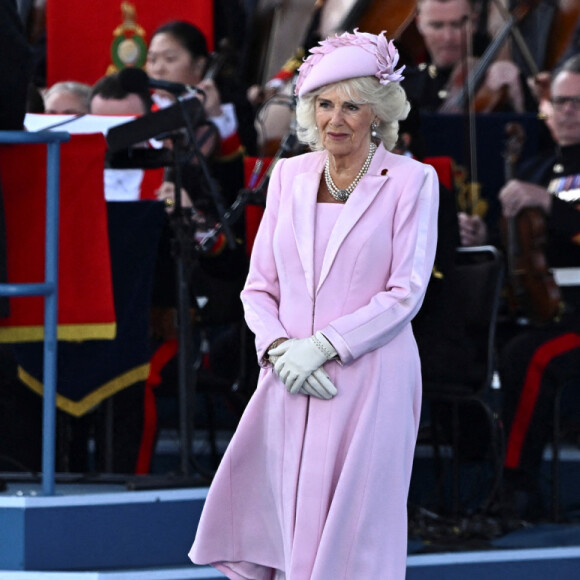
pixel 477 286
pixel 458 396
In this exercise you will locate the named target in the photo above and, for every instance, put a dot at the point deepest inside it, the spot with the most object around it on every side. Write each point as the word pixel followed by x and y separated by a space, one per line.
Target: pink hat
pixel 347 56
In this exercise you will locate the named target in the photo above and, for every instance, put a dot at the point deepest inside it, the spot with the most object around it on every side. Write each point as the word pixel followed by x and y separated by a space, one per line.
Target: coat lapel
pixel 303 219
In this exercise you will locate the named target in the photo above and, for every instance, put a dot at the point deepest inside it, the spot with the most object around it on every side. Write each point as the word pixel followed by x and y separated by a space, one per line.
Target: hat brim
pixel 346 62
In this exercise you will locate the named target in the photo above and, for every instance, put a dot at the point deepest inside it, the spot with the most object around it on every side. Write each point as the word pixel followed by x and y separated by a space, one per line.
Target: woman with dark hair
pixel 178 53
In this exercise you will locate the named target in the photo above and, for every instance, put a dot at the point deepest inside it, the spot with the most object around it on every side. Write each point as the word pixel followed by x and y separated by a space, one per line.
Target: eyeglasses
pixel 560 102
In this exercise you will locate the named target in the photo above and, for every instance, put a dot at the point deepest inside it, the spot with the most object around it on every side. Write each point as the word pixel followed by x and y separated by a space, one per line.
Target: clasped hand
pixel 298 363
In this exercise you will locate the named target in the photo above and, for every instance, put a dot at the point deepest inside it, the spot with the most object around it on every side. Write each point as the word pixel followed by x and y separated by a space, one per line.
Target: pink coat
pixel 316 488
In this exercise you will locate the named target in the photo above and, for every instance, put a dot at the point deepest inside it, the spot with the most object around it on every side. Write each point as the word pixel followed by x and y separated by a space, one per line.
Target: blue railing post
pixel 48 289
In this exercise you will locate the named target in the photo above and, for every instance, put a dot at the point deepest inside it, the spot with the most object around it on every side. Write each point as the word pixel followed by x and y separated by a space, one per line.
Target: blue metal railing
pixel 48 289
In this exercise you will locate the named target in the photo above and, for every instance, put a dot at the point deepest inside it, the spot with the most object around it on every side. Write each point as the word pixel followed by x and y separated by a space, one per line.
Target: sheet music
pixel 74 124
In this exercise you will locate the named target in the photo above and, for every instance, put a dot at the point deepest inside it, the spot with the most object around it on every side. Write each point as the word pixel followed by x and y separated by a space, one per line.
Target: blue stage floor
pixel 105 529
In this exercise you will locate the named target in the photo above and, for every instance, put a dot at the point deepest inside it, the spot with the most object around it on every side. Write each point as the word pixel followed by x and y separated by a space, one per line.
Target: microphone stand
pixel 184 249
pixel 168 124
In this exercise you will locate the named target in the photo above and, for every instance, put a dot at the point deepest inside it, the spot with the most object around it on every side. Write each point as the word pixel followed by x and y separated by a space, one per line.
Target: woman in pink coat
pixel 314 483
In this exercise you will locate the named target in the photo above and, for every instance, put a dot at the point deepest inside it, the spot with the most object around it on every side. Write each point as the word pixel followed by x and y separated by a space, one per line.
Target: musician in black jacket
pixel 15 72
pixel 452 30
pixel 15 67
pixel 540 360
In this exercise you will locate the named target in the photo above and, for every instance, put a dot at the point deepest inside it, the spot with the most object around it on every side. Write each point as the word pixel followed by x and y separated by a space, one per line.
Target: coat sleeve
pixel 414 243
pixel 261 293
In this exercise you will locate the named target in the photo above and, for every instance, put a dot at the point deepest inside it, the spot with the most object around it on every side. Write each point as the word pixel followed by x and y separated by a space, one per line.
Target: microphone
pixel 135 80
pixel 212 242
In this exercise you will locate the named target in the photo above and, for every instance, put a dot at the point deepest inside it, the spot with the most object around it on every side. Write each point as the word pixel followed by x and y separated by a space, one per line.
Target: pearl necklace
pixel 343 194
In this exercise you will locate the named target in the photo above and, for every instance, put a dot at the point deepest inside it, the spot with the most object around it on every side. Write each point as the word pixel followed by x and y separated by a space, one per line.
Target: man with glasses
pixel 539 360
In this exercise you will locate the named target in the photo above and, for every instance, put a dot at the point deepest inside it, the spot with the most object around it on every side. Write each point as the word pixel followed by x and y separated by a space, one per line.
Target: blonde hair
pixel 388 103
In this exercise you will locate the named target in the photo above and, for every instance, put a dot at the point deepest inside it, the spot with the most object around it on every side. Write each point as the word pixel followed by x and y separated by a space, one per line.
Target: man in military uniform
pixel 540 360
pixel 452 30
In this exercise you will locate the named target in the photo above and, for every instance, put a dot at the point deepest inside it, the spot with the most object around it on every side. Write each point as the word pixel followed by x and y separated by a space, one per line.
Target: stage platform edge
pixel 96 527
pixel 107 532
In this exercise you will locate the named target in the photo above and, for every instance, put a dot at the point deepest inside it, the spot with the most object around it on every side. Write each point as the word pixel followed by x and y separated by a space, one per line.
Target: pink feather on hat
pixel 346 56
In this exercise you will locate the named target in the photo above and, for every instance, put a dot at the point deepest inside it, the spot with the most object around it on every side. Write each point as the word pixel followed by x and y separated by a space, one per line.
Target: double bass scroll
pixel 397 17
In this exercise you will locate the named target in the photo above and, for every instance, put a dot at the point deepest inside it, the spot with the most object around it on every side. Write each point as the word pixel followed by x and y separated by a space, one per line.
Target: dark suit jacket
pixel 15 67
pixel 15 73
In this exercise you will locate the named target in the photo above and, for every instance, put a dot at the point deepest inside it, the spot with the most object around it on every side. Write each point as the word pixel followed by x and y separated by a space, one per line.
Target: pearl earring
pixel 374 127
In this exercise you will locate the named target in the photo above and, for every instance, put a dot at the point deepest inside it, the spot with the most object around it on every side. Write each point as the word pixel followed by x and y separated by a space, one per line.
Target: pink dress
pixel 314 489
pixel 326 216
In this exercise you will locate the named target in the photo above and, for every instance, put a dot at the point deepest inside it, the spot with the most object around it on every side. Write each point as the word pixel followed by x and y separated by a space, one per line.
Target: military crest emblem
pixel 128 48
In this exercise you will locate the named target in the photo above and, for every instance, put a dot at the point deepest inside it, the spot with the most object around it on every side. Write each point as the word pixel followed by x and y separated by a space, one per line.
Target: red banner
pixel 85 39
pixel 85 294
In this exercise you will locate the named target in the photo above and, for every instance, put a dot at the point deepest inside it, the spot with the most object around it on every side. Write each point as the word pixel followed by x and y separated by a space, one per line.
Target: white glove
pixel 299 359
pixel 318 384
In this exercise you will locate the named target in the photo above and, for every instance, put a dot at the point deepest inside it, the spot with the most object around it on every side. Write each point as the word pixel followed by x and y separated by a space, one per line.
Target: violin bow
pixel 516 33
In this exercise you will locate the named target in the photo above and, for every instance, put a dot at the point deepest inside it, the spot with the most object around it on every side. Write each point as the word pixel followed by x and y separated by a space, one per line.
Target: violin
pixel 485 100
pixel 532 290
pixel 467 82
